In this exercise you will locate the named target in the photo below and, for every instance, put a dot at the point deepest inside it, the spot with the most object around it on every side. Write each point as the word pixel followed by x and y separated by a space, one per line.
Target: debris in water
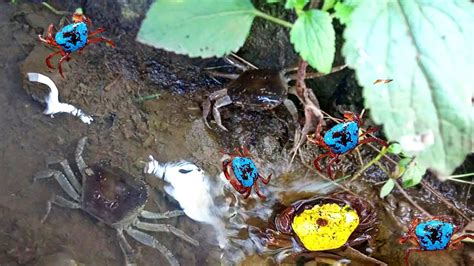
pixel 191 188
pixel 53 106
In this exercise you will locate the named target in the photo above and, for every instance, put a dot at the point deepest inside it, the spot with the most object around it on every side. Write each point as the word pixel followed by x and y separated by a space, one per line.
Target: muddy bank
pixel 109 84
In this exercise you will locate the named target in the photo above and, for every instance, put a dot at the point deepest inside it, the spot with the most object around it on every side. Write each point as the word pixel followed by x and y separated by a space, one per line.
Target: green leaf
pixel 314 39
pixel 197 28
pixel 394 148
pixel 328 4
pixel 426 47
pixel 273 1
pixel 413 174
pixel 296 4
pixel 387 188
pixel 343 12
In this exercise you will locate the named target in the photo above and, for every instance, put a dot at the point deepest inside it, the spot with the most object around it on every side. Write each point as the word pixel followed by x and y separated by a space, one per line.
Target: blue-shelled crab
pixel 115 198
pixel 71 38
pixel 433 234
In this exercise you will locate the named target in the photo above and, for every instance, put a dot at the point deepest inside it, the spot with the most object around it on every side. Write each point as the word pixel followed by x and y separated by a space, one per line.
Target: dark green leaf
pixel 197 28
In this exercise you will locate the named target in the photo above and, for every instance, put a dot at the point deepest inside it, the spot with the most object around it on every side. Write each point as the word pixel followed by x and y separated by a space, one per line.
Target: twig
pixel 428 187
pixel 55 11
pixel 405 194
pixel 376 159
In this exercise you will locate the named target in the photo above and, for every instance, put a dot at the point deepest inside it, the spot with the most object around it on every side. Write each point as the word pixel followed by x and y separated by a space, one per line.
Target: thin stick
pixel 55 11
pixel 405 194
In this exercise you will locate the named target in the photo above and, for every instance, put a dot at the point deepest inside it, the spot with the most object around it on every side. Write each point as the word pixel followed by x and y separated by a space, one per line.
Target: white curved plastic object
pixel 53 106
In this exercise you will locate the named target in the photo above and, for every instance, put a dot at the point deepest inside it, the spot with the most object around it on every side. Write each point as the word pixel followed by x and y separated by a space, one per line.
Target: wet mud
pixel 111 84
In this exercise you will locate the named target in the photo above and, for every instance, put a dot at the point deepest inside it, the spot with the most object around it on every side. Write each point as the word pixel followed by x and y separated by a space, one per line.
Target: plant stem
pixel 147 97
pixel 273 19
pixel 460 176
pixel 376 159
pixel 55 11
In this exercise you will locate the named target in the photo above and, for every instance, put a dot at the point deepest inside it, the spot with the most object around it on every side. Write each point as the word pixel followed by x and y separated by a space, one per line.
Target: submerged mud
pixel 111 85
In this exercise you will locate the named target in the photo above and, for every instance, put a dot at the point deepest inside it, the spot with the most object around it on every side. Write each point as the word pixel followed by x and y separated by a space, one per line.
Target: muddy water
pixel 107 83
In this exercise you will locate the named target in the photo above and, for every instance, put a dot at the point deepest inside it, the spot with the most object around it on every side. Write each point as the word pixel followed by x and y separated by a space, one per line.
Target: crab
pixel 115 198
pixel 319 224
pixel 341 139
pixel 432 234
pixel 242 173
pixel 254 89
pixel 71 38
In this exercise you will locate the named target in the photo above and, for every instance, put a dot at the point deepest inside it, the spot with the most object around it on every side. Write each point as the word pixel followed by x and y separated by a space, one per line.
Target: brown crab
pixel 254 89
pixel 319 224
pixel 115 198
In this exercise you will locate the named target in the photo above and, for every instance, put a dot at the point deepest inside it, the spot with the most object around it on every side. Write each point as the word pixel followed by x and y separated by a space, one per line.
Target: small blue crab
pixel 245 173
pixel 433 234
pixel 71 38
pixel 342 138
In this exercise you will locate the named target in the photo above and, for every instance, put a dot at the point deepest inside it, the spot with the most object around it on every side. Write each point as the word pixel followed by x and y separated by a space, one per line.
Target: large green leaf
pixel 426 47
pixel 196 27
pixel 314 39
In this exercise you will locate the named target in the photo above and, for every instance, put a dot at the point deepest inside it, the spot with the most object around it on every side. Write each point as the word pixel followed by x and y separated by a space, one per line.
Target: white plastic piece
pixel 191 188
pixel 53 106
pixel 187 184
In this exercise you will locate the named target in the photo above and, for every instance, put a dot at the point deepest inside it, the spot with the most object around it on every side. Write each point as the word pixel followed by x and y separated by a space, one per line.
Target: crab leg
pixel 408 252
pixel 62 180
pixel 372 139
pixel 215 110
pixel 456 243
pixel 101 39
pixel 257 189
pixel 69 173
pixel 60 201
pixel 265 180
pixel 97 31
pixel 48 59
pixel 167 228
pixel 66 57
pixel 78 155
pixel 126 248
pixel 150 241
pixel 206 105
pixel 166 215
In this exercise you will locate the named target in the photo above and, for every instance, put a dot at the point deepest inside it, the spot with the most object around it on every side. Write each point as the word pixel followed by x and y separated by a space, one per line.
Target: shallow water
pixel 105 82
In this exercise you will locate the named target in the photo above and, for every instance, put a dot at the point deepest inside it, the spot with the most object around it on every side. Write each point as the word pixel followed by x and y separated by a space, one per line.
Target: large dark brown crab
pixel 319 224
pixel 254 89
pixel 115 198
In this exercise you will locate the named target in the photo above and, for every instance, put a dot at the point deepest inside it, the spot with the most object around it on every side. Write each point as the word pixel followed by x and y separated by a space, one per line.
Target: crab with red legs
pixel 317 225
pixel 242 173
pixel 71 38
pixel 341 139
pixel 433 234
pixel 115 198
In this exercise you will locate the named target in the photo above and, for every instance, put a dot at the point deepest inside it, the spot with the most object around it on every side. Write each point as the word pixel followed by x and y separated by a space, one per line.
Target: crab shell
pixel 258 89
pixel 284 232
pixel 112 195
pixel 72 37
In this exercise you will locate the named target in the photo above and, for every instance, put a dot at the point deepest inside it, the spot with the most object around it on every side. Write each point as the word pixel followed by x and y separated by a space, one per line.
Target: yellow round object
pixel 326 226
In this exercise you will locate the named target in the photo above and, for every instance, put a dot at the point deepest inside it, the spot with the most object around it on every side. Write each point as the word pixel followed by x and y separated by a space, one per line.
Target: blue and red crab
pixel 433 234
pixel 242 173
pixel 71 38
pixel 341 139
